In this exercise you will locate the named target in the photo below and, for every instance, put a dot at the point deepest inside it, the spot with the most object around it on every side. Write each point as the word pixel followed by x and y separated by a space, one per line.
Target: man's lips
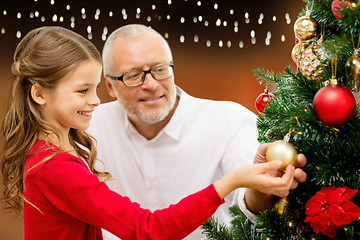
pixel 151 99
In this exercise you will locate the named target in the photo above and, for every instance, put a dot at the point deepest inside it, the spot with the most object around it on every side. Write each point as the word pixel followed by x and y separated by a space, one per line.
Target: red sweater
pixel 73 204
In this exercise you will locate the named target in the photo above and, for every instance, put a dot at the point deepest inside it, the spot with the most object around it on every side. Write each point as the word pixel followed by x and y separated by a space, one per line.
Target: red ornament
pixel 330 208
pixel 334 105
pixel 262 100
pixel 337 6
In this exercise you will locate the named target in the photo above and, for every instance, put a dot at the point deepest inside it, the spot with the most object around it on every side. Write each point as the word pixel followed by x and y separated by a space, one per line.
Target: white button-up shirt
pixel 203 141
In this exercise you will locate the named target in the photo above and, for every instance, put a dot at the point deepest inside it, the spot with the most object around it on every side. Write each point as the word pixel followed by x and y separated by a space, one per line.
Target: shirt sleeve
pixel 70 187
pixel 241 152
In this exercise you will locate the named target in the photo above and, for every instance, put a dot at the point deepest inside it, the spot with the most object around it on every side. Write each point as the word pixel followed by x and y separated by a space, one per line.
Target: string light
pixel 222 22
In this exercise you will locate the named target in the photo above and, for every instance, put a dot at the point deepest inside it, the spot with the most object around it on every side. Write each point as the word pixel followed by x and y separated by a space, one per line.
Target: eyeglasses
pixel 137 77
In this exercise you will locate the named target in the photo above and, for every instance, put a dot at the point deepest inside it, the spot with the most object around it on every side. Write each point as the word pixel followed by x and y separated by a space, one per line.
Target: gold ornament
pixel 282 150
pixel 352 68
pixel 310 60
pixel 305 28
pixel 280 205
pixel 296 51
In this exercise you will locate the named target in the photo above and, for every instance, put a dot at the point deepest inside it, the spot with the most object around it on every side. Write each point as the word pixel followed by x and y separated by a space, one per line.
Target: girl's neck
pixel 62 143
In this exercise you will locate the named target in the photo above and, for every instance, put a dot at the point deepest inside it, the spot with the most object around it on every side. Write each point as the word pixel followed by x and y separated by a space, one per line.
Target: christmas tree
pixel 313 107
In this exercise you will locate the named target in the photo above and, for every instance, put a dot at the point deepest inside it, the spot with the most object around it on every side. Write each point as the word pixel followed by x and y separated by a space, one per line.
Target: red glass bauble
pixel 337 6
pixel 334 105
pixel 262 100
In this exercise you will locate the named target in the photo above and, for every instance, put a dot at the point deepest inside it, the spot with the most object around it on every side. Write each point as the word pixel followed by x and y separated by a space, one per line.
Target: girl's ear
pixel 37 94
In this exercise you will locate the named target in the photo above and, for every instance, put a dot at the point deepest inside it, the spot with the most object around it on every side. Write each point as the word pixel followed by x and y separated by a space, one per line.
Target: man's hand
pixel 257 201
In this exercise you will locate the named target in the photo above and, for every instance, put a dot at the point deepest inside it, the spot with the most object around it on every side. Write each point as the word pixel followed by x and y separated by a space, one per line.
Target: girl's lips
pixel 85 113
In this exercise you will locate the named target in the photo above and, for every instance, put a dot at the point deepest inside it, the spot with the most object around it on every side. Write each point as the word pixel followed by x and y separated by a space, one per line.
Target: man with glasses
pixel 161 144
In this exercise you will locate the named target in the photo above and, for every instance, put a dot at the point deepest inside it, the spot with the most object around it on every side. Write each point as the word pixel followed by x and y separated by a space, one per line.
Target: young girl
pixel 48 163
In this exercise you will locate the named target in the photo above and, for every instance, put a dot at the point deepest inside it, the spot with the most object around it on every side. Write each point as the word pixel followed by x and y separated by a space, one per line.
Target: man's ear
pixel 109 87
pixel 37 94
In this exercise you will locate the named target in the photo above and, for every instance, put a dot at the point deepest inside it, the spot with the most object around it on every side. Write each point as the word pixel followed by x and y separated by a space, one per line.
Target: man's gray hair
pixel 125 32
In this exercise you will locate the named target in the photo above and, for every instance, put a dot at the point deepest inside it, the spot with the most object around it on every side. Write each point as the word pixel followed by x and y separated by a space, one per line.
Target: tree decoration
pixel 330 208
pixel 334 104
pixel 305 28
pixel 337 6
pixel 262 100
pixel 352 68
pixel 282 150
pixel 296 52
pixel 310 60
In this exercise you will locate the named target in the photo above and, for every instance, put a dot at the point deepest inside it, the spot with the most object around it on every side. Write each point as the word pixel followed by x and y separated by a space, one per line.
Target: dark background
pixel 215 71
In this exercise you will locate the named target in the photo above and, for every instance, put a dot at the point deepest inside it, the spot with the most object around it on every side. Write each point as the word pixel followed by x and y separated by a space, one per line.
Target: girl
pixel 48 163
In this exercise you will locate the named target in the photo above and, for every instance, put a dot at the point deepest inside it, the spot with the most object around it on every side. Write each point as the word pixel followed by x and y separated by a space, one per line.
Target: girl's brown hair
pixel 44 56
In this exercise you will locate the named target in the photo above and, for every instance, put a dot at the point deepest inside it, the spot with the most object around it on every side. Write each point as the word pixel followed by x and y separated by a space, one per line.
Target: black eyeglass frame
pixel 120 78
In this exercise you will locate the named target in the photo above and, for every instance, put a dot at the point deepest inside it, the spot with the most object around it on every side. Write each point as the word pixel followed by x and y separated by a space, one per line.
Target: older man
pixel 161 144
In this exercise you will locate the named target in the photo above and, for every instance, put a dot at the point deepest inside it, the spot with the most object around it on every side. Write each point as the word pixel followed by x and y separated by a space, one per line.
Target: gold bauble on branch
pixel 282 150
pixel 296 52
pixel 305 28
pixel 310 61
pixel 352 69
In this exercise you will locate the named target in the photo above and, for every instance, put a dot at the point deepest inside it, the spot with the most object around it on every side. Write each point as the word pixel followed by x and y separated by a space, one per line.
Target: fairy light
pixel 261 17
pixel 97 14
pixel 247 19
pixel 241 44
pixel 83 13
pixel 72 23
pixel 287 17
pixel 138 11
pixel 235 27
pixel 18 34
pixel 268 38
pixel 282 38
pixel 218 22
pixel 166 35
pixel 182 39
pixel 196 38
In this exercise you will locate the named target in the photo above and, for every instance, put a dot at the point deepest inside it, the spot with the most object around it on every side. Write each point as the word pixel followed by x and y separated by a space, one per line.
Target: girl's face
pixel 71 103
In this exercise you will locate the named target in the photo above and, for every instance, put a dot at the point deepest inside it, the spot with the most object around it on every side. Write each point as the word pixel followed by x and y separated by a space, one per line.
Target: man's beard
pixel 151 116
